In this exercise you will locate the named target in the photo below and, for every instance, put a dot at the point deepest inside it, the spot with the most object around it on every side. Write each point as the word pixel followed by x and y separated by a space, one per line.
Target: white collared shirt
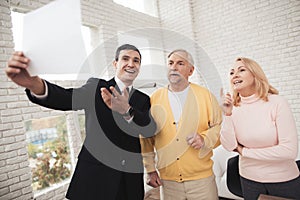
pixel 121 85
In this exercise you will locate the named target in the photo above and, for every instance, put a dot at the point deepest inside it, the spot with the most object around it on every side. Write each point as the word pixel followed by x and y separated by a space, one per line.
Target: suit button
pixel 123 162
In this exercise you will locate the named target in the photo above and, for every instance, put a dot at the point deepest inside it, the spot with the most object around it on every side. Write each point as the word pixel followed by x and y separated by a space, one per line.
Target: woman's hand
pixel 239 149
pixel 226 103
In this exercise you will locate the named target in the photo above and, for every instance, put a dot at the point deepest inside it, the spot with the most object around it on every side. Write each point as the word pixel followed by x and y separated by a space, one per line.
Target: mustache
pixel 171 72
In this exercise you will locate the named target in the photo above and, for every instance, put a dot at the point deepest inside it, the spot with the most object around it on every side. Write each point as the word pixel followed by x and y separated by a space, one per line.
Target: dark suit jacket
pixel 110 164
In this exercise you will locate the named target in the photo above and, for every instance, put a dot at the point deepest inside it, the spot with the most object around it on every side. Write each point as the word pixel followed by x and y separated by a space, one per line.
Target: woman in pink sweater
pixel 259 125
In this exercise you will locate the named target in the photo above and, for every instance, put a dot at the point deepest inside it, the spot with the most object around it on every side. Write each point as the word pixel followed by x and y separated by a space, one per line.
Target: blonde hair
pixel 262 86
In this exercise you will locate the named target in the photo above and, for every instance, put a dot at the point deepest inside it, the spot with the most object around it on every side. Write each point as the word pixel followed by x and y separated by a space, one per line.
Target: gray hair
pixel 189 57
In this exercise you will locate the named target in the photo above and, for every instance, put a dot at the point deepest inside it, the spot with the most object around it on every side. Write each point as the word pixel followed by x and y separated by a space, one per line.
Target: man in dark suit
pixel 110 164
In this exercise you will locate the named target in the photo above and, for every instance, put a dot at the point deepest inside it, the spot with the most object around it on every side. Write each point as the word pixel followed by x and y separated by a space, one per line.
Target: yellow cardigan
pixel 176 160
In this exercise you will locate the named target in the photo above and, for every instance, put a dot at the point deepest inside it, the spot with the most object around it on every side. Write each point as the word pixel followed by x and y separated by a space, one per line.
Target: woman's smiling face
pixel 242 80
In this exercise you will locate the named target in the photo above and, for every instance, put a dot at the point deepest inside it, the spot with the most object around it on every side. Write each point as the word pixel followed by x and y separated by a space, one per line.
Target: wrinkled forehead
pixel 182 56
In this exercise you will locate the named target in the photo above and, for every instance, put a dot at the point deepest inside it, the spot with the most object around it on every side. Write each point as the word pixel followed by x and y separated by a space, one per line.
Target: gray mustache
pixel 174 73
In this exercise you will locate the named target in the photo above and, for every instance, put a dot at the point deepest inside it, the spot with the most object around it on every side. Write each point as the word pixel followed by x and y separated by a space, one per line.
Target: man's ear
pixel 191 70
pixel 114 63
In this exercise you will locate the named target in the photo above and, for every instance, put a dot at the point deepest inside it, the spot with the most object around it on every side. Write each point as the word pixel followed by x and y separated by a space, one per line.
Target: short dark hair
pixel 126 47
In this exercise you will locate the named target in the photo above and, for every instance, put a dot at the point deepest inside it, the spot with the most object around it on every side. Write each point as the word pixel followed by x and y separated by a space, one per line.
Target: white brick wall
pixel 267 31
pixel 14 169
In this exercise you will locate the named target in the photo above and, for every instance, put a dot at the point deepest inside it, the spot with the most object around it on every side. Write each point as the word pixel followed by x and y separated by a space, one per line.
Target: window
pixel 86 34
pixel 81 122
pixel 145 6
pixel 17 28
pixel 48 149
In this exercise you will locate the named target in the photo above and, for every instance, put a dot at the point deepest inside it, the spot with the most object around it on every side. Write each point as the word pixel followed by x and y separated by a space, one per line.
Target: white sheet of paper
pixel 52 38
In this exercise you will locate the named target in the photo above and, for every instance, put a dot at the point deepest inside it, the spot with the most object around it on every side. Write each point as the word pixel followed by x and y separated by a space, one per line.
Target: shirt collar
pixel 121 85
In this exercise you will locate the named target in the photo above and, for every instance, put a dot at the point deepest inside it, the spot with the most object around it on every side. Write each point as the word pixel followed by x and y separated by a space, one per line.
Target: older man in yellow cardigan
pixel 188 119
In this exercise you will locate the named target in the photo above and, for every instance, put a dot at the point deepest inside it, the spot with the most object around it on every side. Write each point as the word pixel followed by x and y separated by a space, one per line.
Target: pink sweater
pixel 268 133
